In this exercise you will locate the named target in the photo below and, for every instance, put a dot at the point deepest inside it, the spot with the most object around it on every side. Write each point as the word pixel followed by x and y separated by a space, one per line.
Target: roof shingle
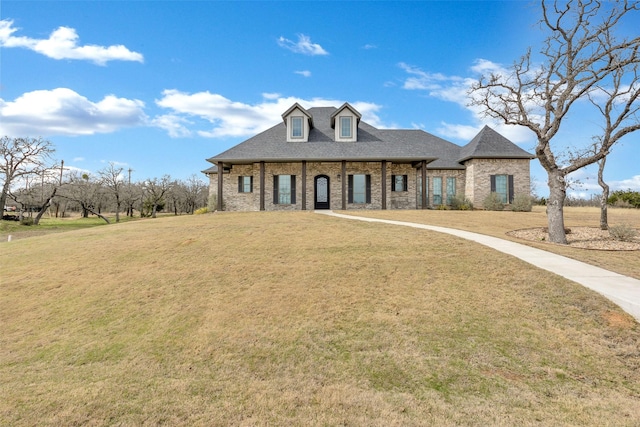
pixel 373 144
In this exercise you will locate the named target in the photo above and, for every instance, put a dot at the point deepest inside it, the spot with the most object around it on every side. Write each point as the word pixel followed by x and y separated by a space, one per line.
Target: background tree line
pixel 35 184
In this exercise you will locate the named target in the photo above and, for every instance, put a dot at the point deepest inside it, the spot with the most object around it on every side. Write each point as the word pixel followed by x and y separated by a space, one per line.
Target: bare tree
pixel 156 190
pixel 582 60
pixel 53 183
pixel 83 189
pixel 21 157
pixel 196 193
pixel 111 177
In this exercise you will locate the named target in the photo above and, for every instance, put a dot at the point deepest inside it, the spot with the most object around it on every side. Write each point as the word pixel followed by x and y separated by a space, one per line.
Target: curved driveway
pixel 622 290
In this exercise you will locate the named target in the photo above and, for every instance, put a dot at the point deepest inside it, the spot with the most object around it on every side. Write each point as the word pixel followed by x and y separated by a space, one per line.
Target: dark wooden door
pixel 322 193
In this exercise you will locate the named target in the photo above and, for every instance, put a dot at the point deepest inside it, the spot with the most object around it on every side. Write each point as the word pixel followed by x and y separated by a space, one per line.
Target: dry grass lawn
pixel 302 319
pixel 499 223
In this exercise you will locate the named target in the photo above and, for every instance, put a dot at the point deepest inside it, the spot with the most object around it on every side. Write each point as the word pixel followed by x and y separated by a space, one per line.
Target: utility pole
pixel 60 184
pixel 129 196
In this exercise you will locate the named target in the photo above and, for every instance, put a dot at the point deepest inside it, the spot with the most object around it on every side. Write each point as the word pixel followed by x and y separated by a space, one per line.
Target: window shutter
pixel 251 184
pixel 493 183
pixel 368 179
pixel 239 184
pixel 275 189
pixel 510 188
pixel 405 186
pixel 293 189
pixel 350 192
pixel 393 183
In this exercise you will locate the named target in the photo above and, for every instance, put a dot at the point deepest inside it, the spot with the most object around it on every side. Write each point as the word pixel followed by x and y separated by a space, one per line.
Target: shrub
pixel 623 232
pixel 522 203
pixel 26 221
pixel 626 198
pixel 461 203
pixel 493 202
pixel 201 211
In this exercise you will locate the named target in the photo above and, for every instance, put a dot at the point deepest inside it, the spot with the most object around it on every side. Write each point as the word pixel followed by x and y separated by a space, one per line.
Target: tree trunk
pixel 118 203
pixel 99 215
pixel 3 196
pixel 36 221
pixel 604 220
pixel 555 207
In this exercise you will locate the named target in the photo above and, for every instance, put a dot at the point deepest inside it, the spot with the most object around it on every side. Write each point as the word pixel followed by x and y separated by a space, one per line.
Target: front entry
pixel 321 199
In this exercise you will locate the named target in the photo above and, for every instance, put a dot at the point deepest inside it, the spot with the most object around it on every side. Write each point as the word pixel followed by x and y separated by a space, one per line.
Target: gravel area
pixel 580 237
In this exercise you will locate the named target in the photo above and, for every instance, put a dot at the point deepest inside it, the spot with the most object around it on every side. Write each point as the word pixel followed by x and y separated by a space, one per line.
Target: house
pixel 328 158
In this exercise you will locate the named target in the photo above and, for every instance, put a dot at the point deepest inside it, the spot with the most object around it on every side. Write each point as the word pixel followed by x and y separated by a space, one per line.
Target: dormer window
pixel 345 123
pixel 345 127
pixel 298 122
pixel 297 127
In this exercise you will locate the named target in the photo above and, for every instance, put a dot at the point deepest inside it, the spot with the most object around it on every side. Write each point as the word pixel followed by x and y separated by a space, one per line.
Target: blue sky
pixel 159 86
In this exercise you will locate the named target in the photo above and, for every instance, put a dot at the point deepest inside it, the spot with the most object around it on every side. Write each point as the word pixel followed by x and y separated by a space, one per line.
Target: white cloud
pixel 369 46
pixel 516 134
pixel 632 183
pixel 484 66
pixel 78 159
pixel 421 80
pixel 227 118
pixel 63 44
pixel 303 46
pixel 456 89
pixel 584 183
pixel 304 73
pixel 62 111
pixel 273 95
pixel 174 124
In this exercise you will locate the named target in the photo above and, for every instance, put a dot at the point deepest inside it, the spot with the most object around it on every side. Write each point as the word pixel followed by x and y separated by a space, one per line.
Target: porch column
pixel 384 184
pixel 423 170
pixel 304 185
pixel 261 186
pixel 344 185
pixel 220 171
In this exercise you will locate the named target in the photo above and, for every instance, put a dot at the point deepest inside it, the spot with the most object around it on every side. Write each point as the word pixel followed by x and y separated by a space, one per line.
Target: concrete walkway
pixel 622 290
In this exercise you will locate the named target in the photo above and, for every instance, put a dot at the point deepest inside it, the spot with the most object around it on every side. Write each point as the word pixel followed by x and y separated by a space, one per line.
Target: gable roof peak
pixel 339 110
pixel 292 108
pixel 488 143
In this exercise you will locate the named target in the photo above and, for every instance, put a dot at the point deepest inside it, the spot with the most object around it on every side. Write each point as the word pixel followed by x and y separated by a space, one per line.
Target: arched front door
pixel 321 199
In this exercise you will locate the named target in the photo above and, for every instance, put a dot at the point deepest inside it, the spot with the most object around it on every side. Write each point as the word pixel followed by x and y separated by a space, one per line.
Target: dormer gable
pixel 298 122
pixel 345 121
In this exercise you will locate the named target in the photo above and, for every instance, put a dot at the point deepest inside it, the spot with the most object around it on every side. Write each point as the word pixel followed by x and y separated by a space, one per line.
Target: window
pixel 503 186
pixel 398 182
pixel 359 188
pixel 245 184
pixel 296 127
pixel 437 190
pixel 345 127
pixel 451 189
pixel 284 189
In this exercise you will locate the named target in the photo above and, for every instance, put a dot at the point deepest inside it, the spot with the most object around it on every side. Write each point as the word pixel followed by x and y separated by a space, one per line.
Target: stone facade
pixel 479 171
pixel 473 183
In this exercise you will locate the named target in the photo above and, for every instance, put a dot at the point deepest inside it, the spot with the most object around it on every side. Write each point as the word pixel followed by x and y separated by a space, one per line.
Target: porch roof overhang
pixel 228 162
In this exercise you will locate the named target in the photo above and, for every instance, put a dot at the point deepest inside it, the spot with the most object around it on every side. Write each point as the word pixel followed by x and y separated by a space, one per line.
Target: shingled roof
pixel 489 144
pixel 373 144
